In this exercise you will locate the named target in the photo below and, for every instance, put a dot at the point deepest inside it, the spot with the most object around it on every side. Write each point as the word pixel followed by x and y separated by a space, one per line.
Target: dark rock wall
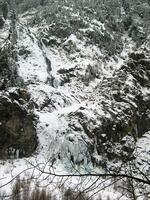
pixel 17 125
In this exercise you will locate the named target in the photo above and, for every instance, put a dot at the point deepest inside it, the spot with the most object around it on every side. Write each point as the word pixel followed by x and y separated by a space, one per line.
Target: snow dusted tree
pixel 13 19
pixel 5 9
pixel 2 21
pixel 8 48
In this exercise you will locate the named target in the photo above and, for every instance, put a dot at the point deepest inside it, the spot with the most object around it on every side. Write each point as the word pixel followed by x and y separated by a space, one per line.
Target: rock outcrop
pixel 17 124
pixel 120 116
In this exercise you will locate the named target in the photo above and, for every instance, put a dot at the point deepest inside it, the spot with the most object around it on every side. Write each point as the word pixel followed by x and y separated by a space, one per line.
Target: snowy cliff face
pixel 87 74
pixel 89 80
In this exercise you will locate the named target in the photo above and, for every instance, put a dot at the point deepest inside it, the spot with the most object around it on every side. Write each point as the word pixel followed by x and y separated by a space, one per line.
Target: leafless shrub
pixel 38 194
pixel 16 190
pixel 70 194
pixel 2 195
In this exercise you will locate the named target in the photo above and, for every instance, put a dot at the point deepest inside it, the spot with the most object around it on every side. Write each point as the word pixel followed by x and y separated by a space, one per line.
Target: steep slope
pixel 87 74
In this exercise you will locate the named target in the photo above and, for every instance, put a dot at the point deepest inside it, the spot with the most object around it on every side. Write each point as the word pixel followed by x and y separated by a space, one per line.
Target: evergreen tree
pixel 5 10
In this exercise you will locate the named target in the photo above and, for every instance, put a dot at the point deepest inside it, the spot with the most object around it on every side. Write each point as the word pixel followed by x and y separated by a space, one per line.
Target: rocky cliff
pixel 83 69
